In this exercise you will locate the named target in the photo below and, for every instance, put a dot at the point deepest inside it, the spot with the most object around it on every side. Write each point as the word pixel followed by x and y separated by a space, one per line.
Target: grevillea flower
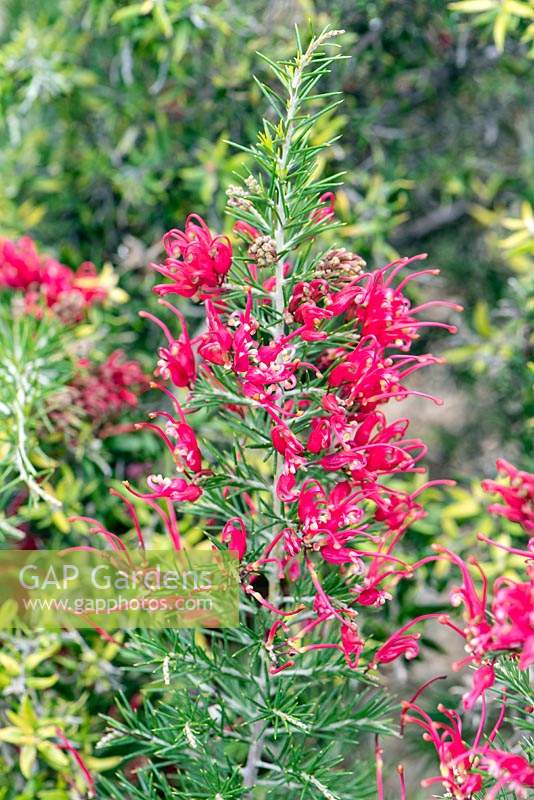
pixel 176 489
pixel 458 774
pixel 517 495
pixel 234 534
pixel 46 283
pixel 366 377
pixel 197 261
pixel 215 345
pixel 20 263
pixel 383 310
pixel 465 769
pixel 352 645
pixel 483 679
pixel 102 391
pixel 325 209
pixel 320 411
pixel 513 612
pixel 180 439
pixel 246 230
pixel 510 770
pixel 509 627
pixel 400 643
pixel 177 361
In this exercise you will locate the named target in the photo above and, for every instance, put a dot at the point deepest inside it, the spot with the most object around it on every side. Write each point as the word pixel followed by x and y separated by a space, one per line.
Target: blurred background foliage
pixel 115 119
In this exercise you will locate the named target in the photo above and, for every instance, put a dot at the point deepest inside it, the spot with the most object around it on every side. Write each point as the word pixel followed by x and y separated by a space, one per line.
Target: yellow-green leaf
pixel 53 755
pixel 27 714
pixel 10 664
pixel 473 6
pixel 8 612
pixel 14 735
pixel 524 10
pixel 27 757
pixel 462 509
pixel 499 30
pixel 102 764
pixel 180 41
pixel 34 659
pixel 481 319
pixel 135 10
pixel 42 683
pixel 162 18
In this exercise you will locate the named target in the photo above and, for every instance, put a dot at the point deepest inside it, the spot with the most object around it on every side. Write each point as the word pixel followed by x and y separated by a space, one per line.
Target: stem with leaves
pixel 34 365
pixel 306 510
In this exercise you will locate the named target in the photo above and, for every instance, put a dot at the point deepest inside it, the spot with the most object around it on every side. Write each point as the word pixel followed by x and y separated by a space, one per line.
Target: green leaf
pixel 481 319
pixel 474 6
pixel 53 755
pixel 133 10
pixel 28 754
pixel 14 735
pixel 10 664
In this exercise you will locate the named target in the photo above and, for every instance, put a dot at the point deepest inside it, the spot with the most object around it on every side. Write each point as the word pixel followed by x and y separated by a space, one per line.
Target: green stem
pixel 25 468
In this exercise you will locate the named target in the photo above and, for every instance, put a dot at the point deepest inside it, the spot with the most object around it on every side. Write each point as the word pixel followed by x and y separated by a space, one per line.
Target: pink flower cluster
pixel 497 622
pixel 197 261
pixel 323 408
pixel 336 520
pixel 46 283
pixel 464 768
pixel 500 620
pixel 517 495
pixel 102 391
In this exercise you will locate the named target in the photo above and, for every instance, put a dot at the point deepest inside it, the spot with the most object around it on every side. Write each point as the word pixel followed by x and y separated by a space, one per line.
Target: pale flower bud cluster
pixel 339 266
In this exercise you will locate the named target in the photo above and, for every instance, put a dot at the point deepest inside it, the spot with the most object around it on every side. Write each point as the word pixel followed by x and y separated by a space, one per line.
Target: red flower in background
pixel 517 495
pixel 103 390
pixel 46 283
pixel 325 209
pixel 20 263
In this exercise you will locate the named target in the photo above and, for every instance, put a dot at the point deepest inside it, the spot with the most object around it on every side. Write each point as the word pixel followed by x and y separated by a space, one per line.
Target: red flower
pixel 513 612
pixel 518 495
pixel 458 774
pixel 464 769
pixel 320 434
pixel 510 770
pixel 326 207
pixel 46 282
pixel 246 230
pixel 382 309
pixel 20 263
pixel 512 609
pixel 185 450
pixel 177 361
pixel 234 534
pixel 197 261
pixel 365 377
pixel 477 631
pixel 483 679
pixel 215 345
pixel 284 441
pixel 352 645
pixel 103 391
pixel 178 490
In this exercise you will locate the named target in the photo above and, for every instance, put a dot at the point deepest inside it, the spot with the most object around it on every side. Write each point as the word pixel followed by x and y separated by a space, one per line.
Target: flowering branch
pixel 301 351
